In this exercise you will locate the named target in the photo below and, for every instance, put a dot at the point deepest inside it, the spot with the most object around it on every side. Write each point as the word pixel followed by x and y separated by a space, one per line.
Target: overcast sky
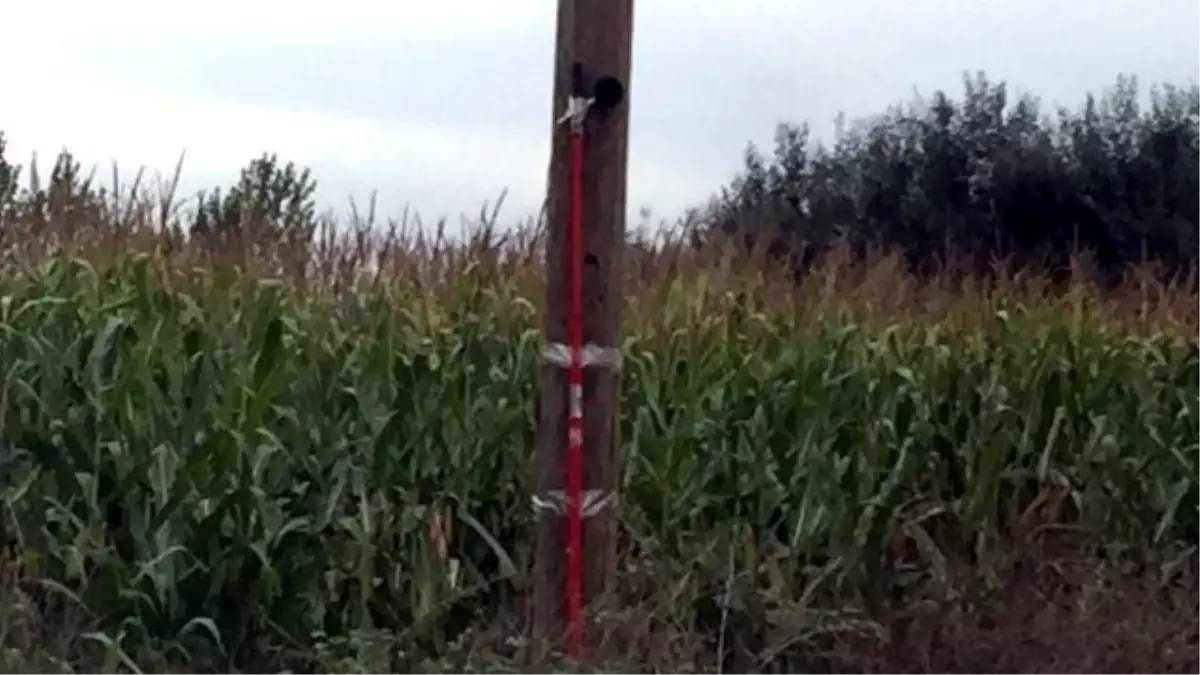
pixel 440 105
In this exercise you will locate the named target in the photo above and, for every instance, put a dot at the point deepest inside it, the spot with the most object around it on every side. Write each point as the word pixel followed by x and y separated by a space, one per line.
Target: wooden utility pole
pixel 593 47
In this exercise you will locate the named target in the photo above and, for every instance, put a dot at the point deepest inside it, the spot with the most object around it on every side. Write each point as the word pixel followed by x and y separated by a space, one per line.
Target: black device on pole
pixel 603 92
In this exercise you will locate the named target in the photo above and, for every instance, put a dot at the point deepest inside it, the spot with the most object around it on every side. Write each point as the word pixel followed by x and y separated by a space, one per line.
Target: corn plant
pixel 210 460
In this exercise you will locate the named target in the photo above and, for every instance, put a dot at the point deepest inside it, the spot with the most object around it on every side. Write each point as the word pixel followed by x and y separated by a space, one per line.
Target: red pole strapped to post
pixel 577 109
pixel 573 487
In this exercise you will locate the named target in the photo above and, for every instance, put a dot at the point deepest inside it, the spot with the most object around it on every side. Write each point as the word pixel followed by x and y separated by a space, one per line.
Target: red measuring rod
pixel 577 112
pixel 606 92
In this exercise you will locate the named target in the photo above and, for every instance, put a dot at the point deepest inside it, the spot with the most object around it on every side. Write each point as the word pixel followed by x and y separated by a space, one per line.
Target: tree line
pixel 271 200
pixel 980 178
pixel 984 177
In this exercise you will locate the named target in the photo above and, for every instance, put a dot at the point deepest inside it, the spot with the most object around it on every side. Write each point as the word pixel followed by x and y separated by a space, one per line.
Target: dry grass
pixel 1064 612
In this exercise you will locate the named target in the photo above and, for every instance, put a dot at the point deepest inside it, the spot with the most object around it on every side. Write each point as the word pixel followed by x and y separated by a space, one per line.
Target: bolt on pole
pixel 576 458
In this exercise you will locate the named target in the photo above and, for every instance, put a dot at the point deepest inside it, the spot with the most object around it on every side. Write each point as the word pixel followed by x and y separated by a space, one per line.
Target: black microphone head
pixel 607 93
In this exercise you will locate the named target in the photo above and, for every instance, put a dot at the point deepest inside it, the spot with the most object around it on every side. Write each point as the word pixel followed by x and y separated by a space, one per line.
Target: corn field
pixel 217 462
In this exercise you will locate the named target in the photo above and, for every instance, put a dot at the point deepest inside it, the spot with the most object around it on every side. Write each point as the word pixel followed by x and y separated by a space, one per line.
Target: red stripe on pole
pixel 574 463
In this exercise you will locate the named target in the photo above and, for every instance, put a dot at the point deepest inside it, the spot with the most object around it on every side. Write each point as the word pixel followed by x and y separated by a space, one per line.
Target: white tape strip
pixel 593 356
pixel 575 406
pixel 577 110
pixel 556 501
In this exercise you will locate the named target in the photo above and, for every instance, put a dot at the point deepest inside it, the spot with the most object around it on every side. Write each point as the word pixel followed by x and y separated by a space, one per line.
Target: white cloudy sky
pixel 440 105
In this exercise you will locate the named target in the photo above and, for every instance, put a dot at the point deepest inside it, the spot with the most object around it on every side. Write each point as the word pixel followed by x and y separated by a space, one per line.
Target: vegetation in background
pixel 233 438
pixel 986 177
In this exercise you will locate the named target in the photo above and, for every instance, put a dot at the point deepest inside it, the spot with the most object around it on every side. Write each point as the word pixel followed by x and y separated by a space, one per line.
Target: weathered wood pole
pixel 593 54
